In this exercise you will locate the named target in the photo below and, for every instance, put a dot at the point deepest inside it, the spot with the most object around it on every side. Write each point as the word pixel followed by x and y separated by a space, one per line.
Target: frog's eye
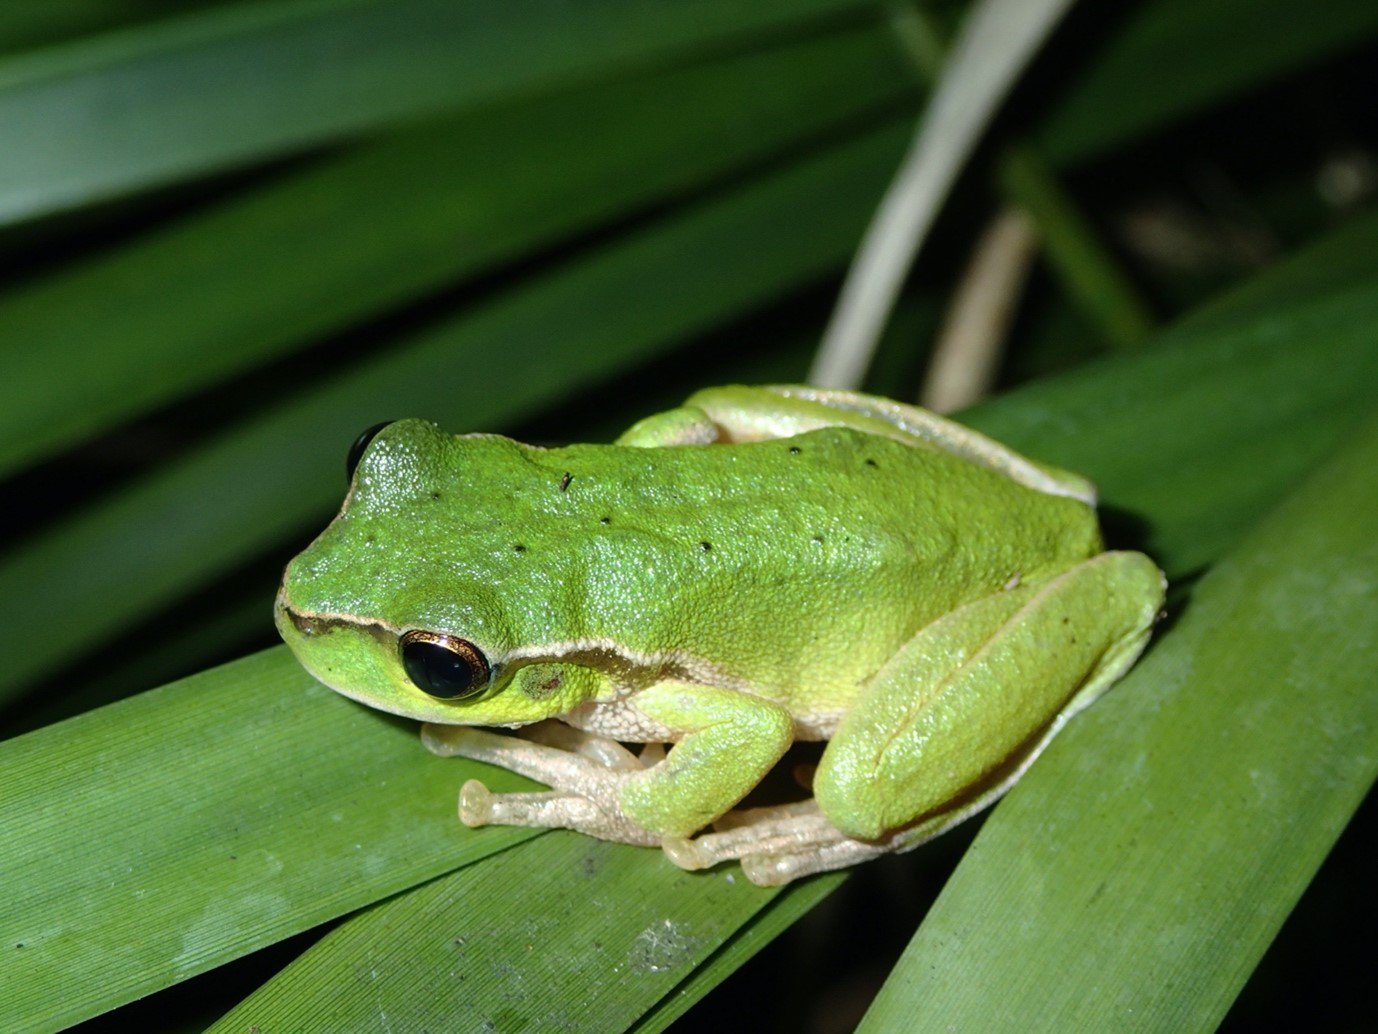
pixel 444 666
pixel 356 451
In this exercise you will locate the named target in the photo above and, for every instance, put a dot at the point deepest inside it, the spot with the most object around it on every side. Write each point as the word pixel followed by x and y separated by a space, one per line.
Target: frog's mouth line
pixel 632 670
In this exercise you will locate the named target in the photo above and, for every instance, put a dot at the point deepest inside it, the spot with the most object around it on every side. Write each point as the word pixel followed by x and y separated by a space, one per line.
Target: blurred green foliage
pixel 234 233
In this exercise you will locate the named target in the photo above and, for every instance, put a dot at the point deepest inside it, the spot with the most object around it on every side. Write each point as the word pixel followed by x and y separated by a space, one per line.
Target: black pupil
pixel 438 670
pixel 356 451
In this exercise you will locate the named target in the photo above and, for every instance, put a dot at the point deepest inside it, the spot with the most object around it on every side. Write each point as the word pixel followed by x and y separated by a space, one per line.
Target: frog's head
pixel 399 603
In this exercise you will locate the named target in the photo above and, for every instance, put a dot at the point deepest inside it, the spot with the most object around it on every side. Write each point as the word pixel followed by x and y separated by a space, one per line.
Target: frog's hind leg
pixel 956 716
pixel 685 425
pixel 775 844
pixel 781 410
pixel 954 719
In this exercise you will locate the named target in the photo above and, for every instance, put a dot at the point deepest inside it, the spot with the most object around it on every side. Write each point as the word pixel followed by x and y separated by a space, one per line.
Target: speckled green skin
pixel 757 566
pixel 792 567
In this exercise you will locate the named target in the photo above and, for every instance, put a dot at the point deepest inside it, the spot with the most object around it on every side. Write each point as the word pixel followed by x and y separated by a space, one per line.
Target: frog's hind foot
pixel 586 773
pixel 774 845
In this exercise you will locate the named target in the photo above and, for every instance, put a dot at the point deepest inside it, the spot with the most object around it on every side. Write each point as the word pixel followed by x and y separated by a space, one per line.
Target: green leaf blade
pixel 1167 60
pixel 352 238
pixel 614 930
pixel 157 838
pixel 150 105
pixel 777 916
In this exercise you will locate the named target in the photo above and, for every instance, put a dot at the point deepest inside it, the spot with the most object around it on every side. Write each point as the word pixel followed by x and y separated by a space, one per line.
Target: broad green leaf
pixel 157 102
pixel 264 760
pixel 156 838
pixel 266 479
pixel 1195 443
pixel 153 104
pixel 1133 879
pixel 304 257
pixel 1163 60
pixel 776 917
pixel 26 26
pixel 616 930
pixel 613 930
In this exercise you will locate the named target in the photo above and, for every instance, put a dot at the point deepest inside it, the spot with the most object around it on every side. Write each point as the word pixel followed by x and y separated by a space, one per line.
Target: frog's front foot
pixel 585 773
pixel 775 845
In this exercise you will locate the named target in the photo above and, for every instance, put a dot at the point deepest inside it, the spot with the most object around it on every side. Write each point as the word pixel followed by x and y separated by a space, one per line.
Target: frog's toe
pixel 776 844
pixel 542 809
pixel 564 770
pixel 475 804
pixel 685 853
pixel 771 869
pixel 551 809
pixel 754 833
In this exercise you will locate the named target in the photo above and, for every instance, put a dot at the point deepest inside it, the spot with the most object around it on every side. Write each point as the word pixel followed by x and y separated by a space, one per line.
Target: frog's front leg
pixel 726 741
pixel 582 768
pixel 952 721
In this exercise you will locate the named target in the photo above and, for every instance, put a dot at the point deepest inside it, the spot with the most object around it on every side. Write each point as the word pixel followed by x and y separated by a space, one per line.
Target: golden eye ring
pixel 444 666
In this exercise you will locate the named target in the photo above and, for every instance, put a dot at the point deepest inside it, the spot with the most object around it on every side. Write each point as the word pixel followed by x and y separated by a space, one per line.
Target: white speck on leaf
pixel 659 947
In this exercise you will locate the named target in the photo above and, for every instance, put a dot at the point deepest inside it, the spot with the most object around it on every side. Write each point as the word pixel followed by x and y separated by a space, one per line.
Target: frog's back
pixel 834 504
pixel 829 548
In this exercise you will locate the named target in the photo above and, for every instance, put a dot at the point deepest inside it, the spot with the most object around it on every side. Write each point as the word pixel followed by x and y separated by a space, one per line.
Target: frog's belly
pixel 618 720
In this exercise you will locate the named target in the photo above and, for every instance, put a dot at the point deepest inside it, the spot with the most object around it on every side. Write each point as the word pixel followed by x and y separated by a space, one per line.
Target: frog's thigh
pixel 686 425
pixel 741 414
pixel 728 741
pixel 951 721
